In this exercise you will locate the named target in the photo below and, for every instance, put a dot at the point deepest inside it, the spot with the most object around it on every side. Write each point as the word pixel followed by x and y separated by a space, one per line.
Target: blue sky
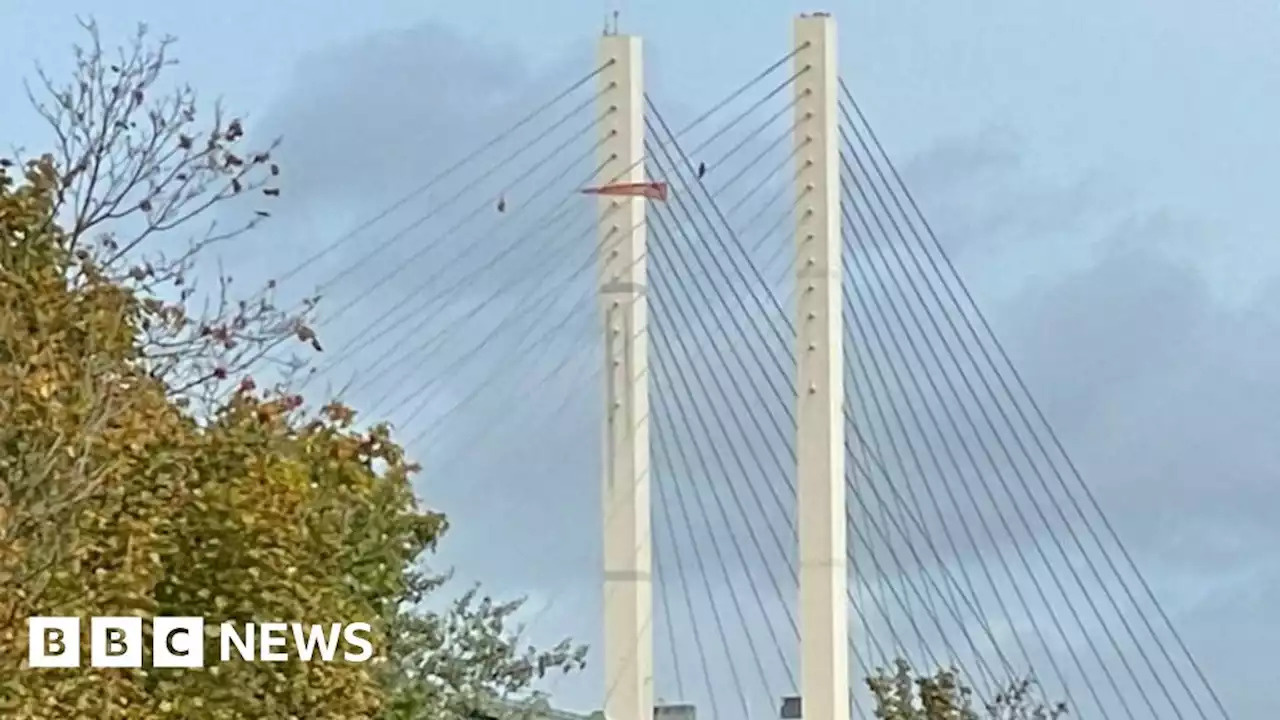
pixel 1105 171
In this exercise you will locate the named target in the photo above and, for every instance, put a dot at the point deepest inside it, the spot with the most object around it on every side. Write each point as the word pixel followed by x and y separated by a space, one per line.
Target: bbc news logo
pixel 179 642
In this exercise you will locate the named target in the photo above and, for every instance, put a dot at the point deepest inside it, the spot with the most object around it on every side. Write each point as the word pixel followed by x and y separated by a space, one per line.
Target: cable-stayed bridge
pixel 811 453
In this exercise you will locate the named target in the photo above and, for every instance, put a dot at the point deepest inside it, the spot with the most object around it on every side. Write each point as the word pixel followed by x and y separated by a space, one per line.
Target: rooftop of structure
pixel 538 710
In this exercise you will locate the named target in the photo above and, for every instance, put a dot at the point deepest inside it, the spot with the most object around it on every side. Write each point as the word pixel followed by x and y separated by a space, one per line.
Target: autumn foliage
pixel 143 473
pixel 903 694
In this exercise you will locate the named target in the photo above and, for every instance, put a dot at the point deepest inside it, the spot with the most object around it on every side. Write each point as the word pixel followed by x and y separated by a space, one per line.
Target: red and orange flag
pixel 650 190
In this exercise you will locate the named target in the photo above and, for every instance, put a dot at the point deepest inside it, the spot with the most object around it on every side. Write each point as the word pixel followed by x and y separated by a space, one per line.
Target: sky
pixel 1103 172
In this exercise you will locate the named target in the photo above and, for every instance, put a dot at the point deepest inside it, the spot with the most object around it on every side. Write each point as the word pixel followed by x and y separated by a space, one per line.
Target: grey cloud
pixel 366 123
pixel 1158 389
pixel 1109 340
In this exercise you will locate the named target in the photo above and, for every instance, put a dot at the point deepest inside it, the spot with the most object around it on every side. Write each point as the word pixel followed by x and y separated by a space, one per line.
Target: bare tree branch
pixel 138 171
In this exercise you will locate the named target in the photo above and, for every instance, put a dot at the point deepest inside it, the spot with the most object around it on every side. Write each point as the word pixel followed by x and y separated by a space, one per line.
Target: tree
pixel 143 472
pixel 904 695
pixel 140 176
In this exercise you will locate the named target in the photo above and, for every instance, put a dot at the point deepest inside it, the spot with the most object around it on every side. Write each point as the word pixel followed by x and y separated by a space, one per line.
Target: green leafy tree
pixel 142 471
pixel 902 694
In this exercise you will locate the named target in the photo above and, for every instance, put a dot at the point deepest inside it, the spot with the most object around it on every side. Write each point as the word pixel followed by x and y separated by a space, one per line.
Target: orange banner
pixel 651 190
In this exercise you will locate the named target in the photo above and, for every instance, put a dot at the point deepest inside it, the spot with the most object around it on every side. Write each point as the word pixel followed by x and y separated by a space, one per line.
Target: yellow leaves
pixel 114 500
pixel 338 414
pixel 43 384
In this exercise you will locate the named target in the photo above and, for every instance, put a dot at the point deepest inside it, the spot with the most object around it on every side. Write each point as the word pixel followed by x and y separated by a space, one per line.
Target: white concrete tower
pixel 628 579
pixel 820 502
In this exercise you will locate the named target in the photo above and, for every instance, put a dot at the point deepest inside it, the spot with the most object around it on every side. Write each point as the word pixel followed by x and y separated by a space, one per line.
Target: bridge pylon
pixel 628 558
pixel 819 351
